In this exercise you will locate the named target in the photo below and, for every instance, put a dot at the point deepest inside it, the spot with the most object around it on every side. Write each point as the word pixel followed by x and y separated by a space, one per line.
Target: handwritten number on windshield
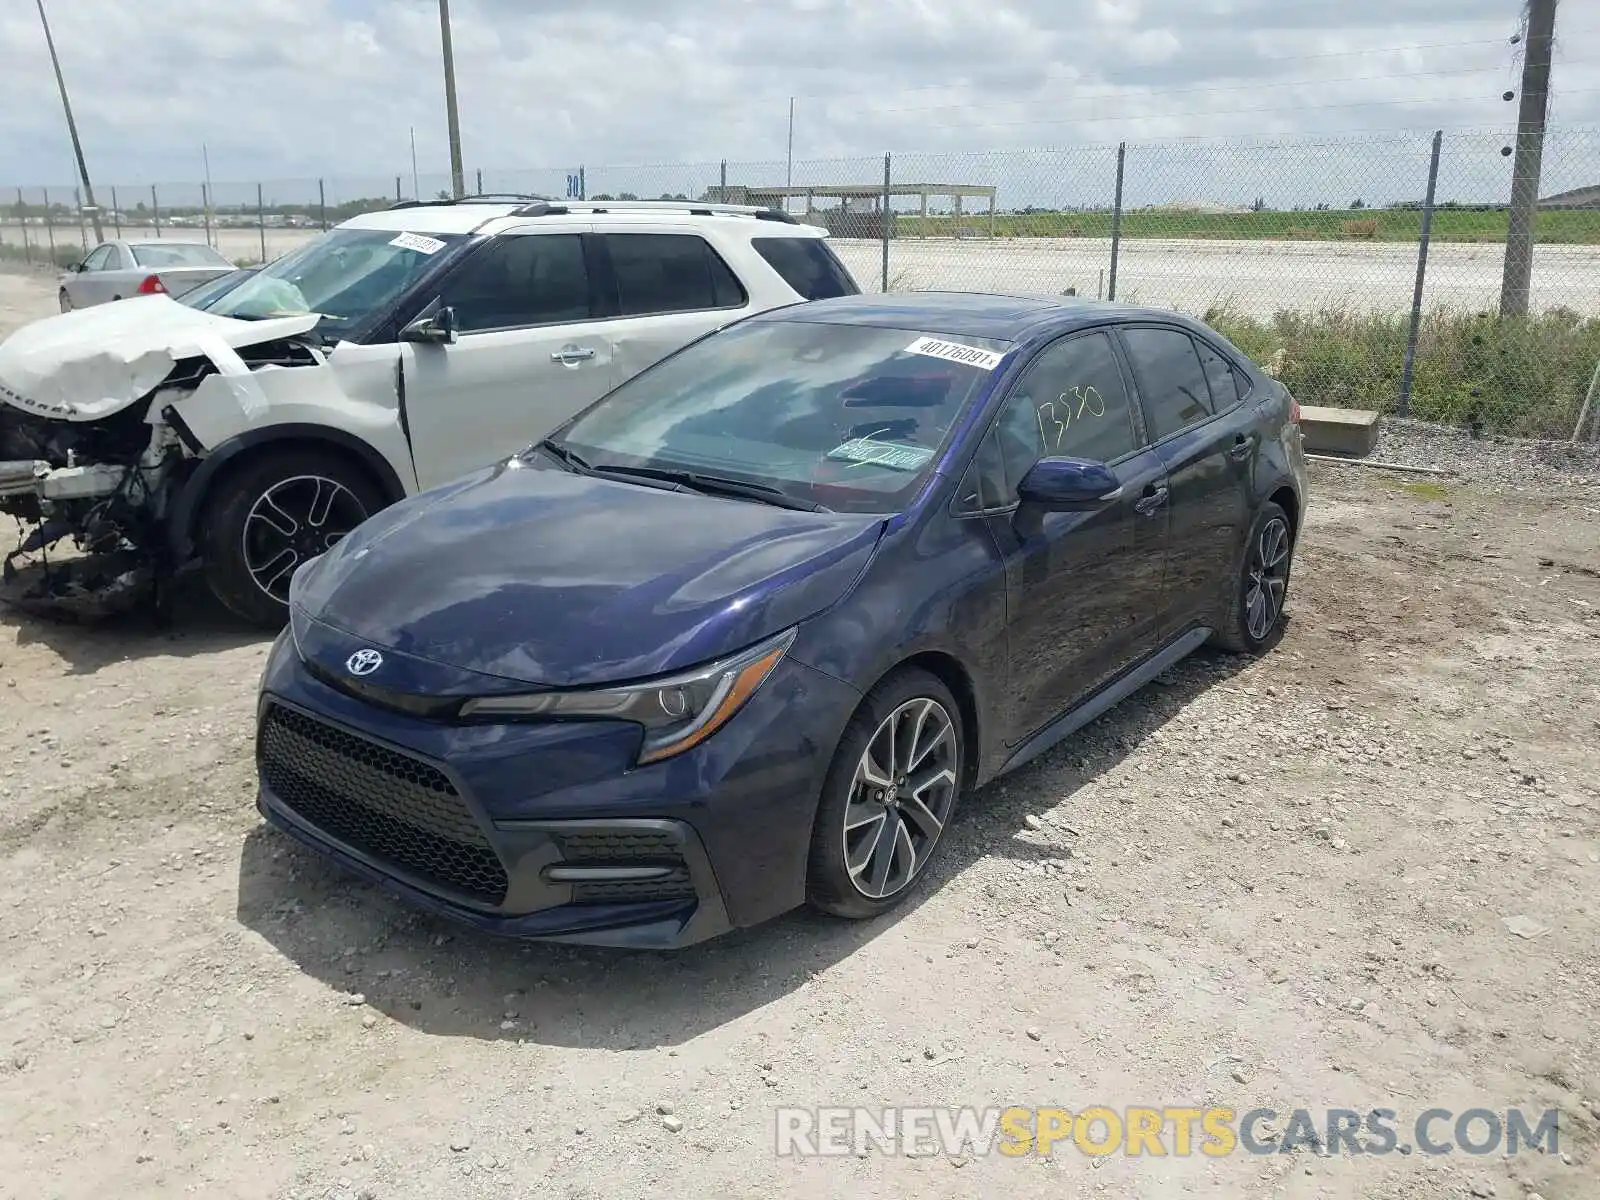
pixel 1056 416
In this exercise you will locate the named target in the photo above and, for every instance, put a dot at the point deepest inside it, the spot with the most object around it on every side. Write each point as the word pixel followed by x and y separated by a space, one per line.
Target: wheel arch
pixel 236 453
pixel 950 671
pixel 1285 498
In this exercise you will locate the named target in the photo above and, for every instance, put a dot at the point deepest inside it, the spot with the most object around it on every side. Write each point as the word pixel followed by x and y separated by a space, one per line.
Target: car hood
pixel 90 363
pixel 540 576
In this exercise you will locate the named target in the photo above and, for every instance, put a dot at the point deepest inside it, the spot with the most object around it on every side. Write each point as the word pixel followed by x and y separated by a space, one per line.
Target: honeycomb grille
pixel 614 847
pixel 676 886
pixel 632 849
pixel 395 808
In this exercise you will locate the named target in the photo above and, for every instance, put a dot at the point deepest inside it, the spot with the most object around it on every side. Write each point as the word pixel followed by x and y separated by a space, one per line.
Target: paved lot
pixel 1303 882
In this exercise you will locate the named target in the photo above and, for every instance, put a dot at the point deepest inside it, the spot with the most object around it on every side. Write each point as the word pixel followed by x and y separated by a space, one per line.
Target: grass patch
pixel 1522 376
pixel 1555 227
pixel 39 253
pixel 1427 490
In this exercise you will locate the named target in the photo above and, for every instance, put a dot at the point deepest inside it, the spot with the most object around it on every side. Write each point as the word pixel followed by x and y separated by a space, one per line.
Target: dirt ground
pixel 1300 882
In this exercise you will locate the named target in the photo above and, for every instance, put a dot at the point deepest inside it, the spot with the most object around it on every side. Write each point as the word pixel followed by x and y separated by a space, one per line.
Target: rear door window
pixel 1227 389
pixel 1172 384
pixel 670 272
pixel 808 265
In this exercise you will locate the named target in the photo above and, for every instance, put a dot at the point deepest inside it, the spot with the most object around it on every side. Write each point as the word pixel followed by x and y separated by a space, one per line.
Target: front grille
pixel 628 849
pixel 389 805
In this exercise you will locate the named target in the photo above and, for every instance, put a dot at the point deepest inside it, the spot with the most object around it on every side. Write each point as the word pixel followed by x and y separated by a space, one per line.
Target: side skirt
pixel 1068 723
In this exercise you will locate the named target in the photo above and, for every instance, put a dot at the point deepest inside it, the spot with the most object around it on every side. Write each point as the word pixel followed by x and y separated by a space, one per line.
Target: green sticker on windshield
pixel 868 453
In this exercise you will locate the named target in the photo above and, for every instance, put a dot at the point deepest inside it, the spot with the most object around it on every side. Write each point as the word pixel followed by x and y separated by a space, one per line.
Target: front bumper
pixel 539 831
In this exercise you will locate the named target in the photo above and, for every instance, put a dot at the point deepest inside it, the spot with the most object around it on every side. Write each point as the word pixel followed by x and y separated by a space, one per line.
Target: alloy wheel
pixel 1267 579
pixel 293 521
pixel 900 797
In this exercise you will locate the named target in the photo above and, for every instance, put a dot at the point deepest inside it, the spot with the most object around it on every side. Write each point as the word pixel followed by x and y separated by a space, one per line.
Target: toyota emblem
pixel 363 662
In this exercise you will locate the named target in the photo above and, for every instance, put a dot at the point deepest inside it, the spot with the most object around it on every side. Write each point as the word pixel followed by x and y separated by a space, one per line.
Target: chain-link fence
pixel 1365 271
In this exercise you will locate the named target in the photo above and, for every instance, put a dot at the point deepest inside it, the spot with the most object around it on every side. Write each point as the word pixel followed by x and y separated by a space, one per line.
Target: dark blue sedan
pixel 742 634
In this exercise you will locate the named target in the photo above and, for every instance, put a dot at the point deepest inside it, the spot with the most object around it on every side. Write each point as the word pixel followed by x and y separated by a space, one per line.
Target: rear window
pixel 808 265
pixel 179 254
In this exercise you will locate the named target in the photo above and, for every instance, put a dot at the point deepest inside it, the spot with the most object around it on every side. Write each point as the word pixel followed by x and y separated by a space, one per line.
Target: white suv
pixel 250 426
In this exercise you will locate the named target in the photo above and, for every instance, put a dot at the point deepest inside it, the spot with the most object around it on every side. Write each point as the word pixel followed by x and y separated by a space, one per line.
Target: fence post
pixel 83 232
pixel 205 208
pixel 155 207
pixel 322 205
pixel 1408 374
pixel 1116 221
pixel 722 193
pixel 883 225
pixel 116 212
pixel 49 224
pixel 397 196
pixel 583 183
pixel 261 222
pixel 22 215
pixel 480 181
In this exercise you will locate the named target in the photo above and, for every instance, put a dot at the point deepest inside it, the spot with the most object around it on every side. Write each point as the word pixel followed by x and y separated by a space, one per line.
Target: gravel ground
pixel 1358 873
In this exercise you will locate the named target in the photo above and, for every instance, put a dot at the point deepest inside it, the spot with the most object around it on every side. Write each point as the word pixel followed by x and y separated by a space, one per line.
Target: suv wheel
pixel 271 516
pixel 1255 618
pixel 890 792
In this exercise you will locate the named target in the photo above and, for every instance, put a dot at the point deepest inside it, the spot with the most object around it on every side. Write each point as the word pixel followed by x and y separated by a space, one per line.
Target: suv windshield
pixel 849 417
pixel 344 276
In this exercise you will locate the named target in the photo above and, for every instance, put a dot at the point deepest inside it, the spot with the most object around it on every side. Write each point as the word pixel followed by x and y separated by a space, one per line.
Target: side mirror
pixel 439 329
pixel 1069 485
pixel 78 268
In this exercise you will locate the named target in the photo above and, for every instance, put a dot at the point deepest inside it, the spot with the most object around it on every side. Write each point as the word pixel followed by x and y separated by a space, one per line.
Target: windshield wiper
pixel 718 485
pixel 561 454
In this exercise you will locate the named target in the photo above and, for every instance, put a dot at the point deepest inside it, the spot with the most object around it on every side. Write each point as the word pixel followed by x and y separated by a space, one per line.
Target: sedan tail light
pixel 152 286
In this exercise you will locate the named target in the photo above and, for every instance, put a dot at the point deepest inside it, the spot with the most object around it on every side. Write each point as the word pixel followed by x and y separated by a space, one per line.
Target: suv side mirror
pixel 440 328
pixel 1069 485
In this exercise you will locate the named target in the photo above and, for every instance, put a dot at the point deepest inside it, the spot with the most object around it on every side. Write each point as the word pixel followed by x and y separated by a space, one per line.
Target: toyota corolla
pixel 745 633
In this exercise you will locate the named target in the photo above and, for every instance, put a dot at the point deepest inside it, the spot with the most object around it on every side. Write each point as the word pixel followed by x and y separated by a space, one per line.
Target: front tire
pixel 272 515
pixel 1255 615
pixel 63 299
pixel 889 796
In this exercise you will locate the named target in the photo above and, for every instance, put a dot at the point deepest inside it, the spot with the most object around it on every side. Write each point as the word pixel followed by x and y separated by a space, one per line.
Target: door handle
pixel 569 355
pixel 1152 499
pixel 1243 447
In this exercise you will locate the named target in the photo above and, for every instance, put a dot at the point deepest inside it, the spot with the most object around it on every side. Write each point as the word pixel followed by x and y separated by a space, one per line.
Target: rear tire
pixel 64 300
pixel 889 795
pixel 1255 614
pixel 273 514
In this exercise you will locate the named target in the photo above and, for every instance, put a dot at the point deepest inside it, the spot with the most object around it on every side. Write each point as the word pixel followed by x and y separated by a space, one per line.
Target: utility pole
pixel 72 128
pixel 788 179
pixel 457 176
pixel 1517 280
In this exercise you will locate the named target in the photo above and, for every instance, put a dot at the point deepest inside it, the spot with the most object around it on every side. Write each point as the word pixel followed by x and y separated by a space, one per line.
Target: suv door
pixel 668 286
pixel 529 353
pixel 1206 445
pixel 1082 587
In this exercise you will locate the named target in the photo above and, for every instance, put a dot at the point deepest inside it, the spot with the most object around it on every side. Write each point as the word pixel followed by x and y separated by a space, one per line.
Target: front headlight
pixel 678 712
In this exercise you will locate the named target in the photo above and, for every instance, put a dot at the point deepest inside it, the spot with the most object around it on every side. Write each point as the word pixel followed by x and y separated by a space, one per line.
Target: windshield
pixel 344 275
pixel 178 254
pixel 850 417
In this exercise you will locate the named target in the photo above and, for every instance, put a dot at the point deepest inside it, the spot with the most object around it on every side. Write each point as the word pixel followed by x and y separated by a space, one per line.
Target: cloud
pixel 332 88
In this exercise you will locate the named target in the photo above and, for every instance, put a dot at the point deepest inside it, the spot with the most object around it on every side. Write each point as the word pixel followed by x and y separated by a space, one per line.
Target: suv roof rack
pixel 476 198
pixel 542 207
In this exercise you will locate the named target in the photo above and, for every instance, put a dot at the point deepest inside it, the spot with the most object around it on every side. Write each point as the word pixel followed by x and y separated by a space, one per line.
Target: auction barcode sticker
pixel 972 356
pixel 419 243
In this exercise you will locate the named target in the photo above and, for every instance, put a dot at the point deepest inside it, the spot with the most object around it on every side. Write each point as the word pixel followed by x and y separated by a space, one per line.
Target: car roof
pixel 1006 317
pixel 476 216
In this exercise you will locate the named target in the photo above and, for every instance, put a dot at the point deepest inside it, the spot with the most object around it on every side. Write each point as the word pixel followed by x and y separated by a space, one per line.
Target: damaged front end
pixel 93 455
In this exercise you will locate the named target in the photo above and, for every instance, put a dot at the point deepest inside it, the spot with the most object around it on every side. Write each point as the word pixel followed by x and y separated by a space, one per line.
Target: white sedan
pixel 118 269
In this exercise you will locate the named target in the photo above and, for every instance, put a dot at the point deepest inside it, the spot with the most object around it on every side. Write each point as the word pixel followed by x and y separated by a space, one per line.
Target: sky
pixel 289 91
